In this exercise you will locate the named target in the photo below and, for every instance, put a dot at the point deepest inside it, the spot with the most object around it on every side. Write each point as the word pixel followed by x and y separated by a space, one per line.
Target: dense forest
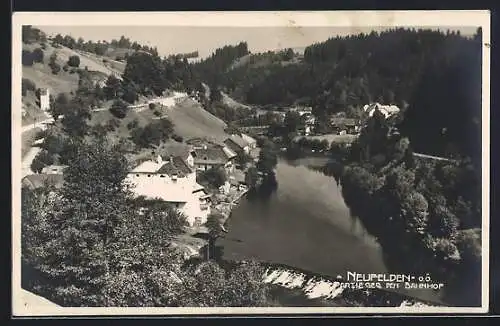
pixel 425 214
pixel 435 75
pixel 101 47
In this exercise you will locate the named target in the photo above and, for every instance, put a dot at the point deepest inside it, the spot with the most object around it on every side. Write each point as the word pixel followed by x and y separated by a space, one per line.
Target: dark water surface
pixel 304 224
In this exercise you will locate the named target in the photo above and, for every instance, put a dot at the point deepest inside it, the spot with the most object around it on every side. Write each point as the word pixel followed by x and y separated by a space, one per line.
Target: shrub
pixel 157 113
pixel 56 68
pixel 130 94
pixel 112 124
pixel 152 106
pixel 43 46
pixel 27 85
pixel 27 58
pixel 215 176
pixel 119 109
pixel 41 160
pixel 66 67
pixel 178 138
pixel 74 61
pixel 37 55
pixel 133 124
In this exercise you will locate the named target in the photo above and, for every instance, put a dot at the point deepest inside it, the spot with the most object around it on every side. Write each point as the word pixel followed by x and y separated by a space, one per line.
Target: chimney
pixel 159 160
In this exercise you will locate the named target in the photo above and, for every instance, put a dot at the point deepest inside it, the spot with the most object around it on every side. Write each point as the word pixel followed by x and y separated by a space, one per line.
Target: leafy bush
pixel 74 61
pixel 27 58
pixel 113 124
pixel 41 160
pixel 66 67
pixel 56 68
pixel 119 109
pixel 157 113
pixel 37 55
pixel 215 176
pixel 130 94
pixel 153 133
pixel 152 106
pixel 133 124
pixel 178 138
pixel 27 85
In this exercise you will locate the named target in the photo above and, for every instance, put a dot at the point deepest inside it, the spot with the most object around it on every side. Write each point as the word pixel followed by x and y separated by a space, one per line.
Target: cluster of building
pixel 169 173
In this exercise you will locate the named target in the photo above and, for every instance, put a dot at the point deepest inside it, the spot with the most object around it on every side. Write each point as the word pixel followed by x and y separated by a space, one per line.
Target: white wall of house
pixel 173 190
pixel 45 100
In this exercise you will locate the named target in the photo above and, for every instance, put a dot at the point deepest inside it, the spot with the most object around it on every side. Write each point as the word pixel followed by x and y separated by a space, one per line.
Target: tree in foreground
pixel 119 109
pixel 92 202
pixel 209 285
pixel 214 226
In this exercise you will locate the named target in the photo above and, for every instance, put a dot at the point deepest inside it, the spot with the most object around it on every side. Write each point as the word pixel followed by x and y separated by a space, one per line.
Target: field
pixel 332 138
pixel 192 121
pixel 189 118
pixel 63 82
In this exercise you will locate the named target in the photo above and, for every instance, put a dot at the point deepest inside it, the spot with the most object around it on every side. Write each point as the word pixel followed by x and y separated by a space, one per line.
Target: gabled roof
pixel 248 139
pixel 147 166
pixel 175 166
pixel 229 152
pixel 174 149
pixel 238 140
pixel 35 181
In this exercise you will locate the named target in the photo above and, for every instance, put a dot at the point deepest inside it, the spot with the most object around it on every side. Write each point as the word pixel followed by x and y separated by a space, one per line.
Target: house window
pixel 197 221
pixel 137 175
pixel 149 175
pixel 162 176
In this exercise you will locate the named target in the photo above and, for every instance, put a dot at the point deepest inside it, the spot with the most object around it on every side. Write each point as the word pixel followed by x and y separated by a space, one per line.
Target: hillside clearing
pixel 192 121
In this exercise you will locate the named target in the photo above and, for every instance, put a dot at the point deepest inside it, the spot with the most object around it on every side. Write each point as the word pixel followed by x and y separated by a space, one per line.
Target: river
pixel 304 224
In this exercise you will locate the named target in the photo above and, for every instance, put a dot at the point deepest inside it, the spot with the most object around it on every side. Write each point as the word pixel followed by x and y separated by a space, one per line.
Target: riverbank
pixel 331 292
pixel 228 202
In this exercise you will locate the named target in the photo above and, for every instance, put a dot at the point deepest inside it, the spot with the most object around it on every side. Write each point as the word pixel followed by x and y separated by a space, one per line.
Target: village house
pixel 173 181
pixel 241 143
pixel 209 156
pixel 386 110
pixel 44 99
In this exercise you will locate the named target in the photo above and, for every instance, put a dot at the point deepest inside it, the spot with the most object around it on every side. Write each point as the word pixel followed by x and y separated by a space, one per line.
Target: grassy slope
pixel 192 121
pixel 63 82
pixel 189 118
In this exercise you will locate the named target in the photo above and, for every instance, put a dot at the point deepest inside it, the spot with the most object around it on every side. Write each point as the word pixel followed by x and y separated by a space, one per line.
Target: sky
pixel 184 39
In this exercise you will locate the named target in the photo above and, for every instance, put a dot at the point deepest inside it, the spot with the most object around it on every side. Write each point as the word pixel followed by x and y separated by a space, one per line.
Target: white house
pixel 173 181
pixel 386 110
pixel 44 99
